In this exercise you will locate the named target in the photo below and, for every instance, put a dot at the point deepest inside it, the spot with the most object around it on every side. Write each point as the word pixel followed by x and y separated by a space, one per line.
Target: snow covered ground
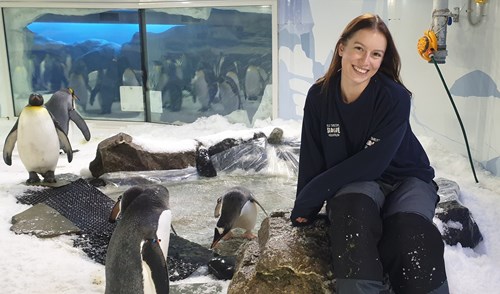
pixel 33 265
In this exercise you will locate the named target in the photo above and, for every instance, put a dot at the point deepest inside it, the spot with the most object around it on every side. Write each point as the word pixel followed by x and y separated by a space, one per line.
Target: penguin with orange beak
pixel 237 208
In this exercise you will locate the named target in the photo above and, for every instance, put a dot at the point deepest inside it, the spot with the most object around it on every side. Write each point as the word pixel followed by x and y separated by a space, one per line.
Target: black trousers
pixel 375 236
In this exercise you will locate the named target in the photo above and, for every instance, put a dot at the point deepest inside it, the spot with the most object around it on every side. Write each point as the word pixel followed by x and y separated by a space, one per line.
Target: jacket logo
pixel 333 130
pixel 371 141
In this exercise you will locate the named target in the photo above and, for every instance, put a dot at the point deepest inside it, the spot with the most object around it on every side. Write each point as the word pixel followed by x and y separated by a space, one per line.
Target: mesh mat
pixel 88 209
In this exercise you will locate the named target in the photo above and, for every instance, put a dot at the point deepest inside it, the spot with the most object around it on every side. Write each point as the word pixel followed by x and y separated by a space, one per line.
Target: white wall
pixel 470 48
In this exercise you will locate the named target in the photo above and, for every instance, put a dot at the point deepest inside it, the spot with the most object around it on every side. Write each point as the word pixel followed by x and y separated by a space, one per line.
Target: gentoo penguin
pixel 136 259
pixel 62 107
pixel 39 138
pixel 237 208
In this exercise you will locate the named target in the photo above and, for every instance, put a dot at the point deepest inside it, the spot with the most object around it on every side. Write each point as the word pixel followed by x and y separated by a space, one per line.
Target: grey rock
pixel 42 221
pixel 276 137
pixel 285 259
pixel 459 225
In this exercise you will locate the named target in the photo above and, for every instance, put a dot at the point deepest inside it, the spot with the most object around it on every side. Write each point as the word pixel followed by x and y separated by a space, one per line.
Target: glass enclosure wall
pixel 170 65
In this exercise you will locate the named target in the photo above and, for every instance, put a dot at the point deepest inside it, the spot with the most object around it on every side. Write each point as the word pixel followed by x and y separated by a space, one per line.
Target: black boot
pixel 411 250
pixel 355 230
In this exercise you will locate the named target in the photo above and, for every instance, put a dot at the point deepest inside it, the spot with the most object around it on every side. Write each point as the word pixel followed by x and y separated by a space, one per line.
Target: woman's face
pixel 362 56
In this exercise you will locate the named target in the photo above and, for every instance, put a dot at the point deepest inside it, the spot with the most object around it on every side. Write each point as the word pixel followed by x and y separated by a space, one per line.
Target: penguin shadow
pixel 237 212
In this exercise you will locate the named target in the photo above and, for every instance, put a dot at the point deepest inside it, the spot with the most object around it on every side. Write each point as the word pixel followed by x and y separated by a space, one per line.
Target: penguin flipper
pixel 80 123
pixel 10 142
pixel 153 256
pixel 257 202
pixel 64 141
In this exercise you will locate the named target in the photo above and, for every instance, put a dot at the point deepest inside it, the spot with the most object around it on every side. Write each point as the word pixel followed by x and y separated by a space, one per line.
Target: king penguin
pixel 39 138
pixel 136 258
pixel 62 107
pixel 237 208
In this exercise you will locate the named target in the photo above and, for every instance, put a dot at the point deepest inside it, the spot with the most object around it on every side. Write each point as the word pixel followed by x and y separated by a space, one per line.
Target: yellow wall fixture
pixel 427 45
pixel 481 1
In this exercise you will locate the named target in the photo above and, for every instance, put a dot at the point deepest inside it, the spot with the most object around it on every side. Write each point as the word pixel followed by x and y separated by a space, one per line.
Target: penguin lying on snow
pixel 39 138
pixel 62 107
pixel 136 259
pixel 237 209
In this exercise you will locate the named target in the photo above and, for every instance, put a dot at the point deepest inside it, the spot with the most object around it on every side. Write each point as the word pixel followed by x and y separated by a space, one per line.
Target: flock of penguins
pixel 144 210
pixel 209 79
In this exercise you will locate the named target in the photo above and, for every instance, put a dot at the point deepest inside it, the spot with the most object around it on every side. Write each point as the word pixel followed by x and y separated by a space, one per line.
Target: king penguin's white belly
pixel 37 141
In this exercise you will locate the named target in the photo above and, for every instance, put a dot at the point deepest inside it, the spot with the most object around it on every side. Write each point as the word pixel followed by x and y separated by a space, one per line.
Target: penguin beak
pixel 115 212
pixel 218 236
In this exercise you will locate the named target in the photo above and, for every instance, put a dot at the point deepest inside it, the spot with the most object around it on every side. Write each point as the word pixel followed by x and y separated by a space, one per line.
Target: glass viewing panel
pixel 200 61
pixel 89 50
pixel 212 61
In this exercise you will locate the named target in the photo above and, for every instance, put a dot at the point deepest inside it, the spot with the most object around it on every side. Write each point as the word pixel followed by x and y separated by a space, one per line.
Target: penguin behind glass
pixel 38 137
pixel 237 208
pixel 136 259
pixel 62 107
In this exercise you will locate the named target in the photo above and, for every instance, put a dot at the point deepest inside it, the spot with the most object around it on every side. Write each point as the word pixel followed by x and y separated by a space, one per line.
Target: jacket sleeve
pixel 311 161
pixel 367 164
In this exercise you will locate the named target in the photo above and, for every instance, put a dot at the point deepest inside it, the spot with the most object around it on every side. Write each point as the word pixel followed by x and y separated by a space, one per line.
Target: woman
pixel 360 155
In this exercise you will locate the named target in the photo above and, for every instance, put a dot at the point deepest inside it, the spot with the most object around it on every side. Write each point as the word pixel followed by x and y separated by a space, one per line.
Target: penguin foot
pixel 49 177
pixel 33 178
pixel 228 236
pixel 248 235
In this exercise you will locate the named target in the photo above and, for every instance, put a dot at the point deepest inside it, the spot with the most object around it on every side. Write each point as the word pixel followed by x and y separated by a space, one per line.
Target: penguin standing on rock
pixel 62 107
pixel 236 209
pixel 136 259
pixel 39 138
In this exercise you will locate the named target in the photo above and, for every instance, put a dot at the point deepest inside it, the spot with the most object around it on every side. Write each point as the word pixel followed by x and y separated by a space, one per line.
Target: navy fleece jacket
pixel 369 139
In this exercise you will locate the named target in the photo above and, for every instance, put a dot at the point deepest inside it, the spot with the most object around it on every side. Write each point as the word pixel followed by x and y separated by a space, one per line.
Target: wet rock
pixel 276 137
pixel 204 165
pixel 223 146
pixel 285 259
pixel 458 223
pixel 119 153
pixel 250 155
pixel 222 267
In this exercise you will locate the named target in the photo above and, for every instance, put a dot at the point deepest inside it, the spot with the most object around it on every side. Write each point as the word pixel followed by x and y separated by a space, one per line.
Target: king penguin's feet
pixel 33 178
pixel 49 177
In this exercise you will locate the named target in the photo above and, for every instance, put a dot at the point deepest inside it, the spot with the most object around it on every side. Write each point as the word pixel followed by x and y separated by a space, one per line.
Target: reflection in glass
pixel 200 61
pixel 215 61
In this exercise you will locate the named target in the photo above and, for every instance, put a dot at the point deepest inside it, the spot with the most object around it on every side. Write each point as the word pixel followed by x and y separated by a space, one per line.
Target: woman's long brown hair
pixel 391 63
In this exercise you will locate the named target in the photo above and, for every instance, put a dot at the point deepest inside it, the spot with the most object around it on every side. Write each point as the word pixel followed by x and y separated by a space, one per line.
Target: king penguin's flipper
pixel 80 123
pixel 10 142
pixel 154 258
pixel 64 141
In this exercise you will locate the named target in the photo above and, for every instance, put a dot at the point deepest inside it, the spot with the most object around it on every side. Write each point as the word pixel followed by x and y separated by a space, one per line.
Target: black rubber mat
pixel 88 209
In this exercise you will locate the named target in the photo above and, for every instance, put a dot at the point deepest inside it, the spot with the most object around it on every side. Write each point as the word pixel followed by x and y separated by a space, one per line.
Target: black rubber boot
pixel 355 230
pixel 411 250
